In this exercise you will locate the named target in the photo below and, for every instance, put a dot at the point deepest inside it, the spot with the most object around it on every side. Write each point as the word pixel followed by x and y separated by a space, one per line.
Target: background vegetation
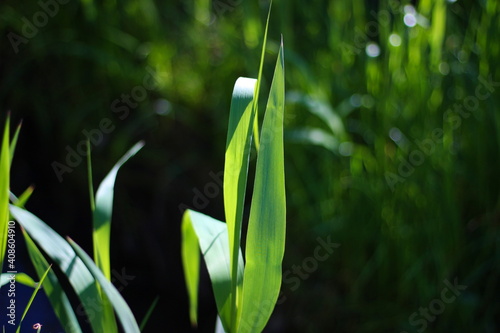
pixel 392 150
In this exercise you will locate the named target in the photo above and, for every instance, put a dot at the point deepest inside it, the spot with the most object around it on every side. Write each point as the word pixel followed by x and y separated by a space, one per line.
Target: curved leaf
pixel 32 298
pixel 71 265
pixel 21 278
pixel 52 288
pixel 103 212
pixel 266 228
pixel 123 311
pixel 239 138
pixel 211 235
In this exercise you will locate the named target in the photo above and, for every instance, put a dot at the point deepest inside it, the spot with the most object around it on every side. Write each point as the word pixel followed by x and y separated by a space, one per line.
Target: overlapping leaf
pixel 239 138
pixel 266 228
pixel 62 254
pixel 122 309
pixel 210 235
pixel 103 213
pixel 102 209
pixel 52 288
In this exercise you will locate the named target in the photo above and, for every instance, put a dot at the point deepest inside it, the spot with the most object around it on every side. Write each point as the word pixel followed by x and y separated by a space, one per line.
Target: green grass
pixel 245 292
pixel 90 280
pixel 351 119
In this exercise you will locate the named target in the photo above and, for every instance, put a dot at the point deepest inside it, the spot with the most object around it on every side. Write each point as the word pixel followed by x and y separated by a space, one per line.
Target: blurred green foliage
pixel 392 149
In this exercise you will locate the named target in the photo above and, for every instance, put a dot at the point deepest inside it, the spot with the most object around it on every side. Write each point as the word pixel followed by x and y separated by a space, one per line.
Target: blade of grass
pixel 23 198
pixel 108 313
pixel 90 180
pixel 13 142
pixel 102 209
pixel 52 288
pixel 21 278
pixel 266 228
pixel 149 313
pixel 28 306
pixel 121 307
pixel 259 79
pixel 62 254
pixel 191 264
pixel 4 189
pixel 239 138
pixel 103 212
pixel 210 235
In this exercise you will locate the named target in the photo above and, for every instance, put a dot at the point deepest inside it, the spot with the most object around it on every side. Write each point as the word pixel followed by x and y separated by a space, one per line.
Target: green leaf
pixel 259 79
pixel 52 288
pixel 62 254
pixel 13 143
pixel 314 136
pixel 28 306
pixel 90 179
pixel 211 235
pixel 23 198
pixel 4 189
pixel 108 313
pixel 149 313
pixel 239 137
pixel 103 212
pixel 266 228
pixel 190 253
pixel 21 278
pixel 123 311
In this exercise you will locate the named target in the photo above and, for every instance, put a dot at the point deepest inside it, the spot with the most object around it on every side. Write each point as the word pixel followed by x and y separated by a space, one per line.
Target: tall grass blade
pixel 266 229
pixel 35 292
pixel 13 142
pixel 210 235
pixel 108 314
pixel 102 209
pixel 259 80
pixel 190 253
pixel 149 313
pixel 90 180
pixel 103 212
pixel 123 311
pixel 24 197
pixel 239 139
pixel 62 254
pixel 52 288
pixel 4 190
